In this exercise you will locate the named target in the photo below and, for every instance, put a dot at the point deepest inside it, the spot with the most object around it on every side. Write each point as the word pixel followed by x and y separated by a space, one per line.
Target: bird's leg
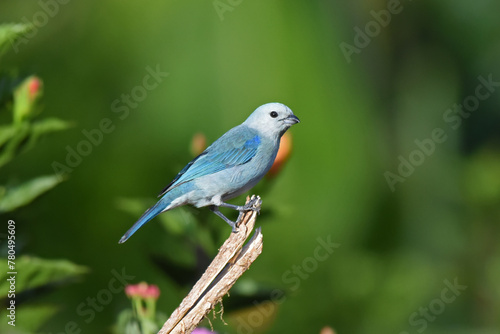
pixel 215 209
pixel 253 204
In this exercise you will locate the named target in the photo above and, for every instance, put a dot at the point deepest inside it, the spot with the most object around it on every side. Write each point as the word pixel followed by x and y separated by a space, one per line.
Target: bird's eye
pixel 273 114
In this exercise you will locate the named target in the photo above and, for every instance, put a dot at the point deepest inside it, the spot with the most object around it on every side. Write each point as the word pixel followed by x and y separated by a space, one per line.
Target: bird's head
pixel 272 119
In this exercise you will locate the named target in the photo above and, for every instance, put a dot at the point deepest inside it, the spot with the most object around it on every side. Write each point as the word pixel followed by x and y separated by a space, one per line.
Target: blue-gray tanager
pixel 233 164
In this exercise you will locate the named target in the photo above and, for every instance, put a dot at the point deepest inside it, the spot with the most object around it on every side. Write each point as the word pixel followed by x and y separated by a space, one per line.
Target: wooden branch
pixel 230 263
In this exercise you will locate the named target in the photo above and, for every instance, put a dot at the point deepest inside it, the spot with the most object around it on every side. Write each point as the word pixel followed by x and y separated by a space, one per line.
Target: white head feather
pixel 272 119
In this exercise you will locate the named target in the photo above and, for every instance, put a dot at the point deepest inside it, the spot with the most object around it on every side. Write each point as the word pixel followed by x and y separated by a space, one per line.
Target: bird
pixel 229 167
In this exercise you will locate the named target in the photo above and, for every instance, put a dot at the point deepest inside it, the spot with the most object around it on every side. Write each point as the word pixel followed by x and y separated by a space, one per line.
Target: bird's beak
pixel 292 119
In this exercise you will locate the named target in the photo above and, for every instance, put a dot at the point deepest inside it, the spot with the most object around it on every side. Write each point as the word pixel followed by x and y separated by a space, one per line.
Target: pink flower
pixel 142 290
pixel 152 292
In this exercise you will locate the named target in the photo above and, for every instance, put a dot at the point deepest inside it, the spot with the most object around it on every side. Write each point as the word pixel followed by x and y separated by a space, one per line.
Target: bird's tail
pixel 147 216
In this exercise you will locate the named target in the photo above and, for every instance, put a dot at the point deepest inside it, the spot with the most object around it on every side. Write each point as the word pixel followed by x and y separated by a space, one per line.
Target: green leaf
pixel 48 125
pixel 126 323
pixel 33 317
pixel 44 127
pixel 23 194
pixel 36 272
pixel 7 132
pixel 14 143
pixel 18 138
pixel 9 33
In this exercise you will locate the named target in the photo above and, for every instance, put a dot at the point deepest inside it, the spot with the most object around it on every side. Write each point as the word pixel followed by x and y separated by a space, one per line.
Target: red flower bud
pixel 34 86
pixel 26 96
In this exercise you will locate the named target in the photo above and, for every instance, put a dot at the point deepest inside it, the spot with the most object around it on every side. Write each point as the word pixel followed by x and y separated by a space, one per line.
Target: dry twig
pixel 230 263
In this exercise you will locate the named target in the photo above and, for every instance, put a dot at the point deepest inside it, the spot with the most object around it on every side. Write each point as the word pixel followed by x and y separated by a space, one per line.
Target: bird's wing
pixel 236 147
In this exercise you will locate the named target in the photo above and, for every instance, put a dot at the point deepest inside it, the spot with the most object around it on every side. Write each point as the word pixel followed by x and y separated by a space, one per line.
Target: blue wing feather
pixel 180 174
pixel 238 146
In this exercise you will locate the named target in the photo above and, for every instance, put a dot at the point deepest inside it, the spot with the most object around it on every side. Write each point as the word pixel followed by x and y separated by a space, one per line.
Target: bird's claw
pixel 253 204
pixel 234 228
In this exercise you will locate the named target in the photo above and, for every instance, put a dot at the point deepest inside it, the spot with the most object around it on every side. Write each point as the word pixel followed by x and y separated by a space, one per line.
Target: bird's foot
pixel 253 204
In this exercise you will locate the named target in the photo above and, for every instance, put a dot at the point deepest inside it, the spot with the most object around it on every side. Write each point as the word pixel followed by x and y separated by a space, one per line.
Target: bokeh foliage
pixel 397 248
pixel 21 130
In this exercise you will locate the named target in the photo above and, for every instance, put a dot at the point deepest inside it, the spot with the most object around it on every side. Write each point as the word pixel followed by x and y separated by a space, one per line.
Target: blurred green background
pixel 369 86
